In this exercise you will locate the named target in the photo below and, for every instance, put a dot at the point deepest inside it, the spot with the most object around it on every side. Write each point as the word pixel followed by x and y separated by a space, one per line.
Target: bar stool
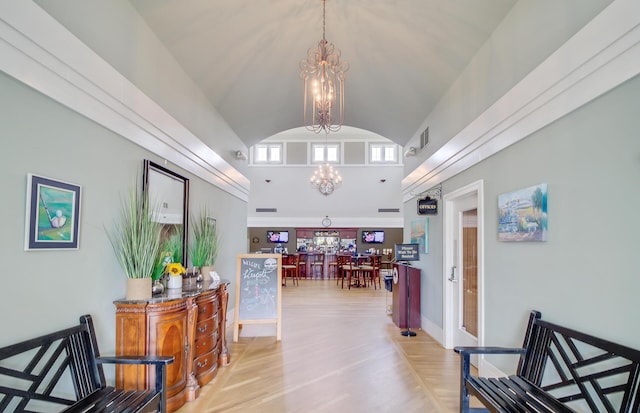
pixel 317 263
pixel 332 265
pixel 302 265
pixel 290 269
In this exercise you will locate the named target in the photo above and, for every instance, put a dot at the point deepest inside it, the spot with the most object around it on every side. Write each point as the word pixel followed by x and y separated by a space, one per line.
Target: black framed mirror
pixel 168 191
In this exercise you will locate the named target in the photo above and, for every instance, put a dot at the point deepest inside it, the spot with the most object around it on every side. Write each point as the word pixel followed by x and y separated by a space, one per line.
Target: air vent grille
pixel 388 209
pixel 424 138
pixel 266 209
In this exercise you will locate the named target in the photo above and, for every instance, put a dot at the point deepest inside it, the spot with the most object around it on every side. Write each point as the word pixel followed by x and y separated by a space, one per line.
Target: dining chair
pixel 371 271
pixel 341 261
pixel 351 272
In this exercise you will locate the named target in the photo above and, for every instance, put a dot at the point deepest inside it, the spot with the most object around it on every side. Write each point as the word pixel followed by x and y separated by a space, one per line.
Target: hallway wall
pixel 585 275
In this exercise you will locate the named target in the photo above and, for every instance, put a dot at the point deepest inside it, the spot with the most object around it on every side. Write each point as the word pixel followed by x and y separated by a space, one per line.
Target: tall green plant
pixel 135 237
pixel 205 245
pixel 170 250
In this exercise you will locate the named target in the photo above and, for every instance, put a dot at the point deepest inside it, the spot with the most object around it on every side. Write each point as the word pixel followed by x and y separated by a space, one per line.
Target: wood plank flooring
pixel 340 352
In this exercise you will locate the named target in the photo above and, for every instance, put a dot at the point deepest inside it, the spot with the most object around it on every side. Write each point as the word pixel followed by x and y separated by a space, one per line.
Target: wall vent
pixel 266 209
pixel 388 209
pixel 424 138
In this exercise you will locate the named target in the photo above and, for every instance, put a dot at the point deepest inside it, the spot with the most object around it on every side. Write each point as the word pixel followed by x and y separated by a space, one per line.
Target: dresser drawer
pixel 206 327
pixel 206 343
pixel 206 362
pixel 206 309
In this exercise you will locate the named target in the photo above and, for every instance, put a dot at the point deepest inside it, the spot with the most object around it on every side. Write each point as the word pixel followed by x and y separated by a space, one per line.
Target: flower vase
pixel 138 289
pixel 175 281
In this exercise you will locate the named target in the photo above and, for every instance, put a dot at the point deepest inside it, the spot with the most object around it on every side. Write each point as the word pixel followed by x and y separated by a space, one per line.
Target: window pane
pixel 318 153
pixel 274 154
pixel 389 153
pixel 261 154
pixel 376 154
pixel 332 153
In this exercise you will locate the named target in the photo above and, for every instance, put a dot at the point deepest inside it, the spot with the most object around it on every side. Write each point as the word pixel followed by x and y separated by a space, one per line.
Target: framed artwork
pixel 522 214
pixel 420 234
pixel 53 214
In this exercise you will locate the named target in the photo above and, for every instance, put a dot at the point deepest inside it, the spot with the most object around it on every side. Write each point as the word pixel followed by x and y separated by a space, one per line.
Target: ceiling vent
pixel 266 209
pixel 388 209
pixel 424 138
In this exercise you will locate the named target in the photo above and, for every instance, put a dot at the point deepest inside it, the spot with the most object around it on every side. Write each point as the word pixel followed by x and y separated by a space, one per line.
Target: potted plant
pixel 170 251
pixel 135 239
pixel 205 245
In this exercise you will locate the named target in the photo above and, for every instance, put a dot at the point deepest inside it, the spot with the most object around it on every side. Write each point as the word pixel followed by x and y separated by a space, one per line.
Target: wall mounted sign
pixel 407 252
pixel 427 206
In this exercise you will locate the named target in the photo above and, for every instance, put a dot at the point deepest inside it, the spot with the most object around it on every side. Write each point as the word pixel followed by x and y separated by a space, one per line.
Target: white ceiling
pixel 245 55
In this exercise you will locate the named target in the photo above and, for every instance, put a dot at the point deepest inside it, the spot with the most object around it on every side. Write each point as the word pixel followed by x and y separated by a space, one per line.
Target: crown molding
pixel 602 55
pixel 39 52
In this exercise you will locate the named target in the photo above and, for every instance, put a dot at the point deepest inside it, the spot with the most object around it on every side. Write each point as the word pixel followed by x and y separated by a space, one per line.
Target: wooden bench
pixel 560 370
pixel 62 371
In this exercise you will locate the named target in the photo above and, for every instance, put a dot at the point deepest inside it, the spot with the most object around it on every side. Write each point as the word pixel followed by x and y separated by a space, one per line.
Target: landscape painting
pixel 522 214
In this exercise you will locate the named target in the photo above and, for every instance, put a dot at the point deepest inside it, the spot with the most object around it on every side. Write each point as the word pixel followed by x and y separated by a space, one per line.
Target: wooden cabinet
pixel 191 328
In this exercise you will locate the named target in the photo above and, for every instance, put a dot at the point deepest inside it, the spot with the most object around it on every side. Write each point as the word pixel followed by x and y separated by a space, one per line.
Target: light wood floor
pixel 340 352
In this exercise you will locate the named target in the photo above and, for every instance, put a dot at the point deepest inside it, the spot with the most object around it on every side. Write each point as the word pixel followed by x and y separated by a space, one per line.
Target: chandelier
pixel 323 74
pixel 326 179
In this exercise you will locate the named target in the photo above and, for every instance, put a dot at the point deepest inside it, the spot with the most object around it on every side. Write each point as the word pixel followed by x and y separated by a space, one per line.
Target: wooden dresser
pixel 190 327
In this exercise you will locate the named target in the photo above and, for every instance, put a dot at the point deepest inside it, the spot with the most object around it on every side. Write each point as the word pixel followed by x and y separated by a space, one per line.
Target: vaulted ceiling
pixel 245 54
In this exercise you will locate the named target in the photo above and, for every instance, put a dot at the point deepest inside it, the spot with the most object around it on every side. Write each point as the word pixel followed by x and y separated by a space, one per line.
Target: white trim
pixel 486 369
pixel 39 52
pixel 337 222
pixel 601 56
pixel 433 330
pixel 447 290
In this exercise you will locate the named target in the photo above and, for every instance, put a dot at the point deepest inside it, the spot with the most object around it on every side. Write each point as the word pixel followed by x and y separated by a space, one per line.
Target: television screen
pixel 373 237
pixel 278 236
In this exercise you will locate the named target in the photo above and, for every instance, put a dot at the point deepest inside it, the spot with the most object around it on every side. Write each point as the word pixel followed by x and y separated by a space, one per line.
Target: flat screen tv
pixel 278 236
pixel 373 237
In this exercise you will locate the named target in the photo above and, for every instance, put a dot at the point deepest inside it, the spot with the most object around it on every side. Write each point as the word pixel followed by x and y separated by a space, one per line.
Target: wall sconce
pixel 241 156
pixel 410 152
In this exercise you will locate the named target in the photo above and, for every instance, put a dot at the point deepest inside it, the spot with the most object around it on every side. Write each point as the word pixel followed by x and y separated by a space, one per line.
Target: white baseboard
pixel 433 330
pixel 486 369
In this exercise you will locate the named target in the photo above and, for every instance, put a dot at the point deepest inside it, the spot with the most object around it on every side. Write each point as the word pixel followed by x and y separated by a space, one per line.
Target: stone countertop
pixel 189 289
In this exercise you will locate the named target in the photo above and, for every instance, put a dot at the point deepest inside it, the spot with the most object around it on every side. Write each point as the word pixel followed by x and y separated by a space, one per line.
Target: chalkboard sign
pixel 258 290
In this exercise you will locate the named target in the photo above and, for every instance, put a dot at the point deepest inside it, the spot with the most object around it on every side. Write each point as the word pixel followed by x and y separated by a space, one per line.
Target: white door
pixel 463 308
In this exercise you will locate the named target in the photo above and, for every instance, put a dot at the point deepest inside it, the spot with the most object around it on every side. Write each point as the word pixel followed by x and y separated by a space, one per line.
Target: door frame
pixel 449 199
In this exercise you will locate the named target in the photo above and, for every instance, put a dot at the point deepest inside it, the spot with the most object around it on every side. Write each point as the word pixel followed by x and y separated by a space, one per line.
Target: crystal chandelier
pixel 323 74
pixel 326 179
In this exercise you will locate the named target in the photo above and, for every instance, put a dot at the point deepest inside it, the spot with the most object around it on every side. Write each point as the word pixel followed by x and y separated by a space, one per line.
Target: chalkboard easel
pixel 258 291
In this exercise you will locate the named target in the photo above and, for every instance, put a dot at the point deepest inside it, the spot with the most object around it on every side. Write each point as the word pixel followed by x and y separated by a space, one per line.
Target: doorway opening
pixel 464 266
